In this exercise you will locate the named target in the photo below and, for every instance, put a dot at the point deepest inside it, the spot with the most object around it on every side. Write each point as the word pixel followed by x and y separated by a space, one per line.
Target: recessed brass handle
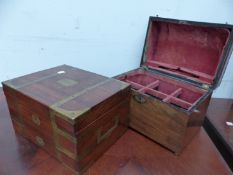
pixel 39 141
pixel 139 98
pixel 36 119
pixel 101 137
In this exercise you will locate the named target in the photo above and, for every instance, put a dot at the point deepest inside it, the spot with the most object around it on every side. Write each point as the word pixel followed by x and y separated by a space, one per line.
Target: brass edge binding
pixel 57 131
pixel 70 115
pixel 9 82
pixel 66 135
pixel 55 136
pixel 71 169
pixel 100 138
pixel 124 84
pixel 58 148
pixel 66 152
pixel 74 156
pixel 74 140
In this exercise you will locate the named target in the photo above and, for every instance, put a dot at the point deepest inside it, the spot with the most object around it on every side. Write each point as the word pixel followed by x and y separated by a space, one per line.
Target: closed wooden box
pixel 182 63
pixel 73 114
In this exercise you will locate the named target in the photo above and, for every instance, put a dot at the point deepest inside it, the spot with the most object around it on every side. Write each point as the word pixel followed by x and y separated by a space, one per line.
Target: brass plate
pixel 67 82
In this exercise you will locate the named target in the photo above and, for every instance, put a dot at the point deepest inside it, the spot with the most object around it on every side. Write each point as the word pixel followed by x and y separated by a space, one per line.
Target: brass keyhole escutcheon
pixel 139 98
pixel 36 119
pixel 39 141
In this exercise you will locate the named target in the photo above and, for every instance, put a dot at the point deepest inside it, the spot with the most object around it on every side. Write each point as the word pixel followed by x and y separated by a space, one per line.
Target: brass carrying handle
pixel 39 141
pixel 139 98
pixel 101 137
pixel 36 119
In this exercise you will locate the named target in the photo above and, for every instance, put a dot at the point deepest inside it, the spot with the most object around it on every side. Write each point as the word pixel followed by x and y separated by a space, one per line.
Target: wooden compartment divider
pixel 149 88
pixel 173 94
pixel 181 103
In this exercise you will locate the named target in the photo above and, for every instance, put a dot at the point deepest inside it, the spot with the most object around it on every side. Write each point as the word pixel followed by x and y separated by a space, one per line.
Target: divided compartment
pixel 167 90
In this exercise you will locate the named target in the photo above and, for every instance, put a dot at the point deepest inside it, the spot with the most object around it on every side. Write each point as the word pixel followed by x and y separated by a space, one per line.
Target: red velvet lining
pixel 187 50
pixel 167 90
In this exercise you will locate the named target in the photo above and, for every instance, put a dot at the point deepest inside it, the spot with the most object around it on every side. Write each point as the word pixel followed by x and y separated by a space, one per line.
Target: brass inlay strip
pixel 56 110
pixel 66 135
pixel 71 169
pixel 101 137
pixel 69 115
pixel 61 102
pixel 9 82
pixel 67 82
pixel 75 156
pixel 75 113
pixel 66 152
pixel 56 132
pixel 55 135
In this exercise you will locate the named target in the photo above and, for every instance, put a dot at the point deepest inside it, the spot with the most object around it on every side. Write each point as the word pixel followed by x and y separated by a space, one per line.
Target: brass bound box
pixel 182 63
pixel 73 114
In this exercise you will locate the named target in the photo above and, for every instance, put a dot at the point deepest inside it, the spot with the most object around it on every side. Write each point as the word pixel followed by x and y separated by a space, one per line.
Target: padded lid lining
pixel 187 50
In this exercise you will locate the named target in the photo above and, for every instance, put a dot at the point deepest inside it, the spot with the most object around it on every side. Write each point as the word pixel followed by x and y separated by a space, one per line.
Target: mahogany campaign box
pixel 73 114
pixel 182 63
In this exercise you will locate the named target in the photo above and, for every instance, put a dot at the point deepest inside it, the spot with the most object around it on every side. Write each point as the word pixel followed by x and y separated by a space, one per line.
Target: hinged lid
pixel 192 51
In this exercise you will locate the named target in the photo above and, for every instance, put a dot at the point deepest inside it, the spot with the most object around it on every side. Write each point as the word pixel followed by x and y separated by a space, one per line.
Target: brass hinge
pixel 205 86
pixel 145 67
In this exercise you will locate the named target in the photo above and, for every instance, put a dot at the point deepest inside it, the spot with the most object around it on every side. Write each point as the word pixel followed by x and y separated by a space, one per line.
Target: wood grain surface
pixel 164 124
pixel 131 154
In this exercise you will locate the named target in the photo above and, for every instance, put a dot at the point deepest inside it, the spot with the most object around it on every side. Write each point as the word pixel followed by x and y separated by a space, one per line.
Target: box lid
pixel 66 90
pixel 196 52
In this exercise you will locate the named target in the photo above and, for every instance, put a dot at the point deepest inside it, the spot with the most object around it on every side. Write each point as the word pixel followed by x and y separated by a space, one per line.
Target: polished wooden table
pixel 219 125
pixel 132 154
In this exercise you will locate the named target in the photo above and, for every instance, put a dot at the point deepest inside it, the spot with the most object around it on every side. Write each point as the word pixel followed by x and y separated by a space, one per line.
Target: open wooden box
pixel 182 63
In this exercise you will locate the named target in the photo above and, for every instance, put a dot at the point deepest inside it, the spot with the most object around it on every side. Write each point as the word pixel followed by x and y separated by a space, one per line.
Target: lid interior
pixel 190 51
